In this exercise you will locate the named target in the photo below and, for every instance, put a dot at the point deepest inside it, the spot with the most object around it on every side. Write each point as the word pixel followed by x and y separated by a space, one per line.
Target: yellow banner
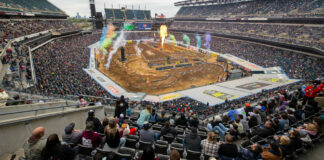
pixel 170 97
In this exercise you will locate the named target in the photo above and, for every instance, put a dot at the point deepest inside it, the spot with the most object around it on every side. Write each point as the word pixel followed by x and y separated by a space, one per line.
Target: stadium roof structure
pixel 128 14
pixel 206 2
pixel 30 8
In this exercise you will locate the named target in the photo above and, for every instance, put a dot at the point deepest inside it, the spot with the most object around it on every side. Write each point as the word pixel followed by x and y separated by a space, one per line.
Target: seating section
pixel 128 14
pixel 42 7
pixel 257 8
pixel 299 34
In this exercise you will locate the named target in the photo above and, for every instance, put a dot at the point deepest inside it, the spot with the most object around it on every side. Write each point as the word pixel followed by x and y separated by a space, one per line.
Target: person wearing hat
pixel 89 137
pixel 124 130
pixel 96 122
pixel 248 109
pixel 70 135
pixel 147 134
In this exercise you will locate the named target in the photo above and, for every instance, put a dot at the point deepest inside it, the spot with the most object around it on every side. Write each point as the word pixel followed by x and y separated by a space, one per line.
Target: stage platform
pixel 213 94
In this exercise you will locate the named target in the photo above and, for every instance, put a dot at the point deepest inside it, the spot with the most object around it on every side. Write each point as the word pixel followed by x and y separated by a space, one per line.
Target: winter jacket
pixel 34 149
pixel 192 142
pixel 269 154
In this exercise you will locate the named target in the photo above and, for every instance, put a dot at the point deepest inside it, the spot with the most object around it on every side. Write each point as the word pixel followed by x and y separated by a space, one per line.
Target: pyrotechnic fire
pixel 163 33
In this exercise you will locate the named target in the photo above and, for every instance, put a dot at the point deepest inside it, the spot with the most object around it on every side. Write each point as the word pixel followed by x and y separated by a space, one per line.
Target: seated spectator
pixel 210 145
pixel 232 114
pixel 55 150
pixel 212 124
pixel 105 122
pixel 3 97
pixel 34 145
pixel 244 123
pixel 228 150
pixel 273 152
pixel 295 141
pixel 172 119
pixel 319 123
pixel 256 114
pixel 283 122
pixel 162 118
pixel 309 129
pixel 182 120
pixel 70 135
pixel 113 139
pixel 89 137
pixel 153 117
pixel 144 116
pixel 239 125
pixel 124 130
pixel 82 102
pixel 128 111
pixel 234 131
pixel 146 133
pixel 96 122
pixel 251 154
pixel 194 122
pixel 148 154
pixel 192 140
pixel 168 130
pixel 221 129
pixel 98 102
pixel 264 131
pixel 284 144
pixel 174 155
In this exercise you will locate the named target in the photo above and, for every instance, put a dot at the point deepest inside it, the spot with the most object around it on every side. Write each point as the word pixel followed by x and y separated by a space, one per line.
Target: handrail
pixel 37 99
pixel 36 110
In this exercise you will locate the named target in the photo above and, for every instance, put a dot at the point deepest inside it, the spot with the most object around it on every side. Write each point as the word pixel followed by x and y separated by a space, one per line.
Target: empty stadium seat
pixel 85 150
pixel 178 147
pixel 131 143
pixel 163 157
pixel 143 145
pixel 168 138
pixel 108 154
pixel 161 148
pixel 193 155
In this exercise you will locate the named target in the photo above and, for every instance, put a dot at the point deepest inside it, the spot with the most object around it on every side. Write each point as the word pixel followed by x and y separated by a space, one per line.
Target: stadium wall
pixel 13 135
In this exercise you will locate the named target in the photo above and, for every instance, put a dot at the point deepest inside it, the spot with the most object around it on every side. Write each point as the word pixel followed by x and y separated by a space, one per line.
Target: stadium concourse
pixel 54 104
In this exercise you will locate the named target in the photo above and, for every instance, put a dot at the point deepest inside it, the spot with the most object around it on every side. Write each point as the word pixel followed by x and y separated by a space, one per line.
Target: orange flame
pixel 163 33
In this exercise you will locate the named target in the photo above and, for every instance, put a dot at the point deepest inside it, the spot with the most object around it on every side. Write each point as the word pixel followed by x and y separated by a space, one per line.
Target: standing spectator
pixel 70 135
pixel 121 106
pixel 89 137
pixel 192 141
pixel 194 122
pixel 96 122
pixel 34 145
pixel 228 150
pixel 232 114
pixel 210 146
pixel 54 150
pixel 144 116
pixel 82 102
pixel 248 109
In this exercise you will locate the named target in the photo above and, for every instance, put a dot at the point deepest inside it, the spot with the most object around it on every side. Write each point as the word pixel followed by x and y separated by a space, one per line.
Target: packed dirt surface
pixel 150 69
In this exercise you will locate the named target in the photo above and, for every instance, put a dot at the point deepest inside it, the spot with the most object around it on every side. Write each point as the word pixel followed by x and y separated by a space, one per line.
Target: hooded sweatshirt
pixel 192 142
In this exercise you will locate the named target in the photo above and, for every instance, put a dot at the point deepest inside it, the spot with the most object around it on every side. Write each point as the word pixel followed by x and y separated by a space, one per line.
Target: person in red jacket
pixel 311 92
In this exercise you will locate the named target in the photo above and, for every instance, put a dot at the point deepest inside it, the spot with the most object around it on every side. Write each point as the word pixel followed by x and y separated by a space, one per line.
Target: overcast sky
pixel 71 7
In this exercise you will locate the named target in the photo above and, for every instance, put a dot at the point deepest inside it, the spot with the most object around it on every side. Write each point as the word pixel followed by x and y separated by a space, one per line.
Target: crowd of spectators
pixel 265 8
pixel 299 34
pixel 274 128
pixel 295 65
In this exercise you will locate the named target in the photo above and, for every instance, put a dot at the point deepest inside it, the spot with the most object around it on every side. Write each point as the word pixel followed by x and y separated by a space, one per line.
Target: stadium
pixel 219 79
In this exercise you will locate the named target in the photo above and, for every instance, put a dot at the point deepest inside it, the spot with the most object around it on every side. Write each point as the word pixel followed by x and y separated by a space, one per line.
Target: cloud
pixel 71 7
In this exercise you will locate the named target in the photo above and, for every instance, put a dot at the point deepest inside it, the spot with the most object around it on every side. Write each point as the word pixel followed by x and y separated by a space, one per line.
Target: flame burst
pixel 163 33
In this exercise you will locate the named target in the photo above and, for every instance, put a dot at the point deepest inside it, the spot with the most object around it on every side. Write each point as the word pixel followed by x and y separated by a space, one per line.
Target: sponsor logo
pixel 113 89
pixel 219 94
pixel 253 85
pixel 170 97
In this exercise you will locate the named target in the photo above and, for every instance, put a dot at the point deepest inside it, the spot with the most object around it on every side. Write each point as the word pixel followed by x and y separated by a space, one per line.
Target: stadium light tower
pixel 92 8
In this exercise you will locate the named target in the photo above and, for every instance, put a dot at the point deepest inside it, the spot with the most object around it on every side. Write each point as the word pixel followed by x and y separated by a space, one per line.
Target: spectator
pixel 308 129
pixel 89 137
pixel 172 119
pixel 210 145
pixel 174 155
pixel 248 109
pixel 3 97
pixel 113 139
pixel 124 130
pixel 251 154
pixel 244 123
pixel 192 141
pixel 283 122
pixel 284 144
pixel 34 145
pixel 232 114
pixel 144 116
pixel 55 150
pixel 168 130
pixel 70 135
pixel 146 134
pixel 82 102
pixel 273 152
pixel 128 111
pixel 264 132
pixel 154 116
pixel 221 129
pixel 105 123
pixel 234 131
pixel 121 106
pixel 211 126
pixel 182 121
pixel 96 122
pixel 228 150
pixel 163 118
pixel 194 122
pixel 295 141
pixel 319 123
